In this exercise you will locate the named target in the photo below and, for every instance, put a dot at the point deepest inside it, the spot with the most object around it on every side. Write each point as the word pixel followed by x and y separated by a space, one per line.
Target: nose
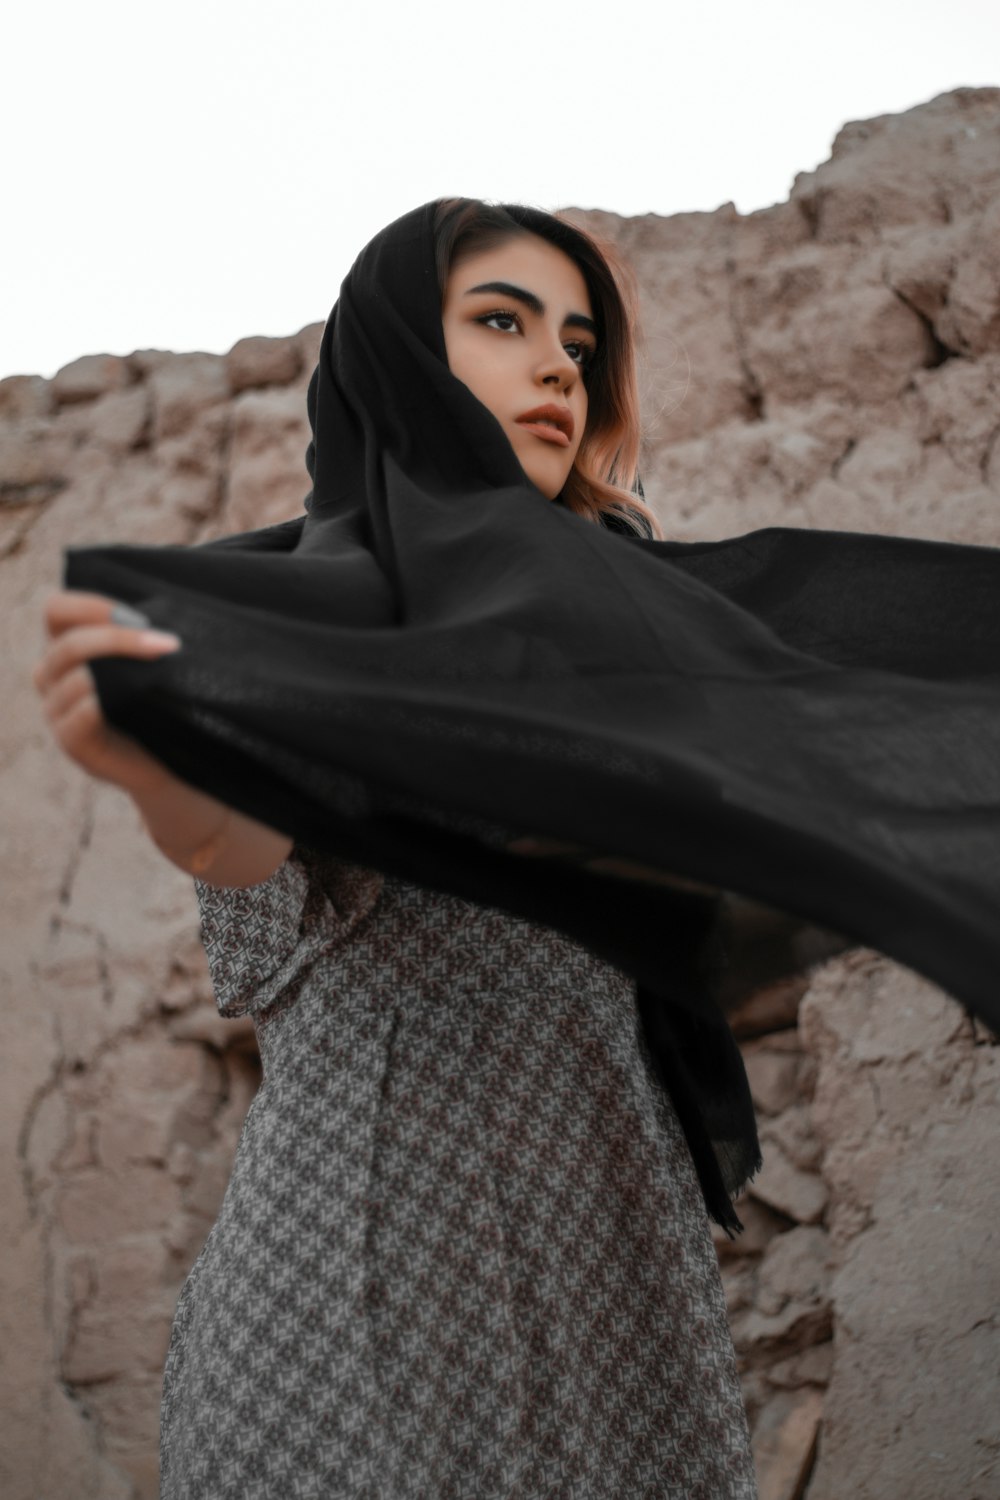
pixel 555 368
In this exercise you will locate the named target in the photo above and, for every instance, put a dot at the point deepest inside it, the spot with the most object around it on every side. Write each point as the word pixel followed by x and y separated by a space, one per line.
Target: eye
pixel 503 314
pixel 584 355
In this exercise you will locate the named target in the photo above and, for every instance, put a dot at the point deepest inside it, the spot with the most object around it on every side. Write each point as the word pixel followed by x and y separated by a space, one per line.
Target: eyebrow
pixel 507 289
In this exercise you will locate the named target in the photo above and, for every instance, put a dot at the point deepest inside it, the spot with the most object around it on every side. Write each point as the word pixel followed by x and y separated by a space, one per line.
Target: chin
pixel 548 477
pixel 551 487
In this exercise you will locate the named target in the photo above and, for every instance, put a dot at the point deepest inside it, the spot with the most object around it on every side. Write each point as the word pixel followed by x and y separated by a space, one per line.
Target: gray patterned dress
pixel 463 1251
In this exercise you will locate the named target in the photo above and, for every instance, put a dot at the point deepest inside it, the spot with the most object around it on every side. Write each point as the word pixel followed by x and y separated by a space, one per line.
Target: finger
pixel 66 691
pixel 628 869
pixel 84 734
pixel 77 730
pixel 68 607
pixel 607 864
pixel 87 641
pixel 546 847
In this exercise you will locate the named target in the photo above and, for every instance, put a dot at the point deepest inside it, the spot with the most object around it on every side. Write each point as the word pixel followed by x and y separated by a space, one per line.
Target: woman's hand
pixel 605 864
pixel 761 944
pixel 80 627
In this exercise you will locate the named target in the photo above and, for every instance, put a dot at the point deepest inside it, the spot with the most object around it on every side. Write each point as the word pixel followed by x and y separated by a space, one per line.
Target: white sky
pixel 180 177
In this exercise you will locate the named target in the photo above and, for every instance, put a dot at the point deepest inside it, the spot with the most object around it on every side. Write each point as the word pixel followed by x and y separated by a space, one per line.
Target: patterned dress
pixel 463 1251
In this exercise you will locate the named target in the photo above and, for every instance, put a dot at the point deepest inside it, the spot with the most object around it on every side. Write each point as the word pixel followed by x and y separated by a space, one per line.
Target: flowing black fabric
pixel 434 658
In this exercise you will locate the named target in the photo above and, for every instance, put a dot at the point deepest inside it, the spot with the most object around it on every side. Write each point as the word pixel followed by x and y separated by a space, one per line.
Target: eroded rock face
pixel 832 361
pixel 907 1105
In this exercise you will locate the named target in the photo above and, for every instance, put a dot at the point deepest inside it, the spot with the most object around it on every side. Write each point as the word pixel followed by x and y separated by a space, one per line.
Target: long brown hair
pixel 603 479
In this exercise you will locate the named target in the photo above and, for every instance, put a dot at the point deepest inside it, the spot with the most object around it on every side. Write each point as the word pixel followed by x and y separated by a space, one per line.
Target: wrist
pixel 188 826
pixel 198 861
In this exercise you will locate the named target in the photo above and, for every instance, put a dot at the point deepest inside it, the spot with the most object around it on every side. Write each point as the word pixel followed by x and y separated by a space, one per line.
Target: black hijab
pixel 434 658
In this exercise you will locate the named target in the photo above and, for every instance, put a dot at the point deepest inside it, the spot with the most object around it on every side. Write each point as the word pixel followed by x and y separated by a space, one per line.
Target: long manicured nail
pixel 159 640
pixel 124 614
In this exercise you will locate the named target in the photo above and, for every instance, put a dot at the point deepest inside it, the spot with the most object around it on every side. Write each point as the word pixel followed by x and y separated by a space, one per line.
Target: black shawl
pixel 434 658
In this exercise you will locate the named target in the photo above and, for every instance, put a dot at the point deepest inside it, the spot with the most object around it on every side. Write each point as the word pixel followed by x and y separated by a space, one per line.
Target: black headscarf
pixel 434 658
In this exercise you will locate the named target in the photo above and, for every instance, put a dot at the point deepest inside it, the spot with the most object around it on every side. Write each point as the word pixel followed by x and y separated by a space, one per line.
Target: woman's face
pixel 519 330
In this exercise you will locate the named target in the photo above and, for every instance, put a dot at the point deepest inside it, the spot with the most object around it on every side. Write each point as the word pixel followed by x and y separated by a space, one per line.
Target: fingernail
pixel 124 614
pixel 160 640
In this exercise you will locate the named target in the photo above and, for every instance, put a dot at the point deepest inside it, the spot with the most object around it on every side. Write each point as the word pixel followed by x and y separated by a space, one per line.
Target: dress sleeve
pixel 259 938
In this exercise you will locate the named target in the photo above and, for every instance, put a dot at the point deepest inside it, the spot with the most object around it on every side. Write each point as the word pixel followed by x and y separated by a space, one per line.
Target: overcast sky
pixel 179 177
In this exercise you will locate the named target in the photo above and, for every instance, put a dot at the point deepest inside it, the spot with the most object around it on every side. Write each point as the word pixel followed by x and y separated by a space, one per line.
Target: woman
pixel 464 1248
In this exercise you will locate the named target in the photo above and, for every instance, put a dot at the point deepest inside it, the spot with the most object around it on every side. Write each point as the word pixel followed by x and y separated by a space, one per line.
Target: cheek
pixel 581 425
pixel 467 361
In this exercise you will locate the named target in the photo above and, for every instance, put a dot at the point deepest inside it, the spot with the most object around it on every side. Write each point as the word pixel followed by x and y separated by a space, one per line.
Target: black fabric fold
pixel 434 659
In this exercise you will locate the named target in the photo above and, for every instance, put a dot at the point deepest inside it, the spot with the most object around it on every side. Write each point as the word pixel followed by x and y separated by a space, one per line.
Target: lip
pixel 562 433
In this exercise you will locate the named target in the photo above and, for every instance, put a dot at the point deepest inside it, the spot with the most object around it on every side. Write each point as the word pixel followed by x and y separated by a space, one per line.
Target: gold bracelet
pixel 199 861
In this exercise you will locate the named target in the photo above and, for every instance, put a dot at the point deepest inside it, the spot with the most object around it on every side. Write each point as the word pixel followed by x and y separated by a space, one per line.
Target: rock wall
pixel 832 361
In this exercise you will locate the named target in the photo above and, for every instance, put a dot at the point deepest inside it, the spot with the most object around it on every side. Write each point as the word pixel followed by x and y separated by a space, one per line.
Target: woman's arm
pixel 205 837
